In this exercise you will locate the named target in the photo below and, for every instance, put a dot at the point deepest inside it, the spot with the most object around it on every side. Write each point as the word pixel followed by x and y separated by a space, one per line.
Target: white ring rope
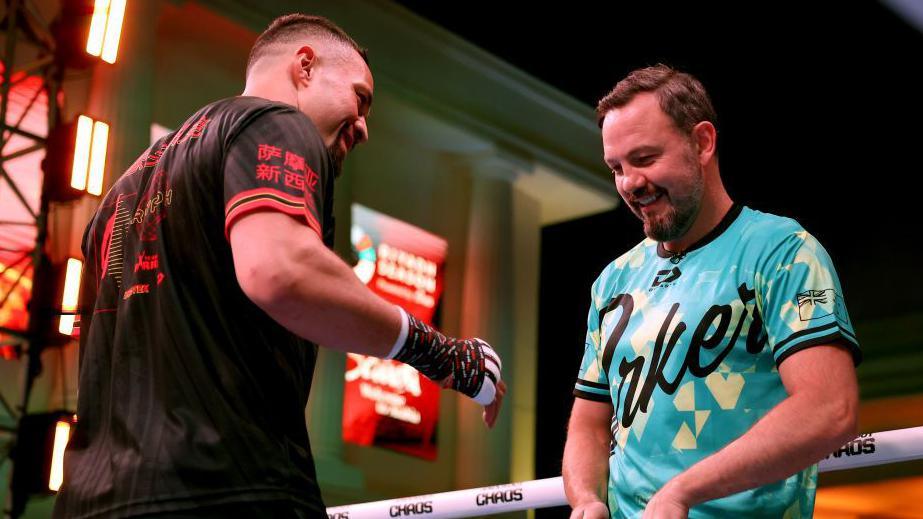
pixel 868 449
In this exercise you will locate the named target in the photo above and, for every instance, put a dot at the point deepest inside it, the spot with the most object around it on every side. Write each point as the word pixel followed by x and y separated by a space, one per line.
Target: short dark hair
pixel 290 27
pixel 682 97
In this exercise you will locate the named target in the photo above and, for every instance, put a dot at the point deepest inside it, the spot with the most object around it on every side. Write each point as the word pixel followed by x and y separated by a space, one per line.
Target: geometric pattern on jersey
pixel 687 348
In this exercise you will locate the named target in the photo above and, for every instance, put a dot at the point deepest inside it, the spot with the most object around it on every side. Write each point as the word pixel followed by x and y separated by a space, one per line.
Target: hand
pixel 478 361
pixel 593 510
pixel 491 410
pixel 471 366
pixel 666 504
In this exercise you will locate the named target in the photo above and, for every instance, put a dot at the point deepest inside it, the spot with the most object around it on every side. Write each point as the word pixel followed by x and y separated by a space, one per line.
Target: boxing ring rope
pixel 866 450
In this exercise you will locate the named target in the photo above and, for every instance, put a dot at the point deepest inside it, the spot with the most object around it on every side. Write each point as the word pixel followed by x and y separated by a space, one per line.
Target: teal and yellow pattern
pixel 687 351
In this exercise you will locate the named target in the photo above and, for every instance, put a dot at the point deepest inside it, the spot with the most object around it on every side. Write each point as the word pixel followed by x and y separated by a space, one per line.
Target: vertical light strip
pixel 81 153
pixel 98 27
pixel 71 295
pixel 98 158
pixel 113 31
pixel 62 431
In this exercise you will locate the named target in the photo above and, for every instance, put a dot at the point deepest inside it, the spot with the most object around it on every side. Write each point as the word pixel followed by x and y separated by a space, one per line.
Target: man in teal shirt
pixel 719 358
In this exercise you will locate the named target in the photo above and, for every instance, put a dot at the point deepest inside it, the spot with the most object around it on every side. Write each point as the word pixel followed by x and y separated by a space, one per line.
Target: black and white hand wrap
pixel 472 363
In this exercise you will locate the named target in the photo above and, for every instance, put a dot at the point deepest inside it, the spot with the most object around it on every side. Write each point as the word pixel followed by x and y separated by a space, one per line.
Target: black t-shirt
pixel 189 394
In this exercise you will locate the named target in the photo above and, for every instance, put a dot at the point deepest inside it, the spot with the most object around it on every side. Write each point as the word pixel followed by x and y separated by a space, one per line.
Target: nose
pixel 361 131
pixel 632 182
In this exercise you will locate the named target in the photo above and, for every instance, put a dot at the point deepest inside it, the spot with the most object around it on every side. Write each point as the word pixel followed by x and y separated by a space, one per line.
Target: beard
pixel 338 156
pixel 337 153
pixel 676 220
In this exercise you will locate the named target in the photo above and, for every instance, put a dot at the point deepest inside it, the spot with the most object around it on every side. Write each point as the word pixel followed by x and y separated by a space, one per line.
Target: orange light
pixel 98 158
pixel 90 147
pixel 113 31
pixel 71 295
pixel 106 29
pixel 62 432
pixel 98 27
pixel 81 153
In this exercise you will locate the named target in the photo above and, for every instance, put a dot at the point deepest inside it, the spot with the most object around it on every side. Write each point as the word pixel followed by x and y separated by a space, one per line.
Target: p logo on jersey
pixel 665 277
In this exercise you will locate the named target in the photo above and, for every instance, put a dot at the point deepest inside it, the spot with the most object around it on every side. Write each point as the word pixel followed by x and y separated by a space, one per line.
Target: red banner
pixel 386 403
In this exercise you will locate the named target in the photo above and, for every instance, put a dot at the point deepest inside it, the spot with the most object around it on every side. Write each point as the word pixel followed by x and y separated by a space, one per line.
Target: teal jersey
pixel 687 350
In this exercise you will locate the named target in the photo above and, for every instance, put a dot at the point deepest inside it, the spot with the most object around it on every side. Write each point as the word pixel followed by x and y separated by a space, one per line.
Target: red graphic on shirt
pixel 181 136
pixel 152 209
pixel 294 161
pixel 185 133
pixel 295 172
pixel 154 157
pixel 198 129
pixel 311 180
pixel 268 173
pixel 138 164
pixel 143 288
pixel 160 278
pixel 267 152
pixel 147 262
pixel 294 180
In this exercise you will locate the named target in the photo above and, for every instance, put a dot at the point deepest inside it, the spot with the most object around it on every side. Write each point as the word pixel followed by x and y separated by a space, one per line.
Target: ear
pixel 303 65
pixel 705 138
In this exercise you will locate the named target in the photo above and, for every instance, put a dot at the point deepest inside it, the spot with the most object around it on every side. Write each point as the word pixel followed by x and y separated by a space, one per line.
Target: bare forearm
pixel 321 299
pixel 310 291
pixel 798 432
pixel 586 466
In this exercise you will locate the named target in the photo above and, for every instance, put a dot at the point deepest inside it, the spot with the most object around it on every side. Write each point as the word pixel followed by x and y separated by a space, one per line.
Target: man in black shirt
pixel 210 268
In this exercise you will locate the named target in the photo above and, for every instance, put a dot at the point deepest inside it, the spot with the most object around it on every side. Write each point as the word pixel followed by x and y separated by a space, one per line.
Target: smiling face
pixel 655 166
pixel 336 95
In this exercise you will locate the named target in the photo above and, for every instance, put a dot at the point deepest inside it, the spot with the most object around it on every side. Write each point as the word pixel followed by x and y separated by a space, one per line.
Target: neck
pixel 715 205
pixel 271 89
